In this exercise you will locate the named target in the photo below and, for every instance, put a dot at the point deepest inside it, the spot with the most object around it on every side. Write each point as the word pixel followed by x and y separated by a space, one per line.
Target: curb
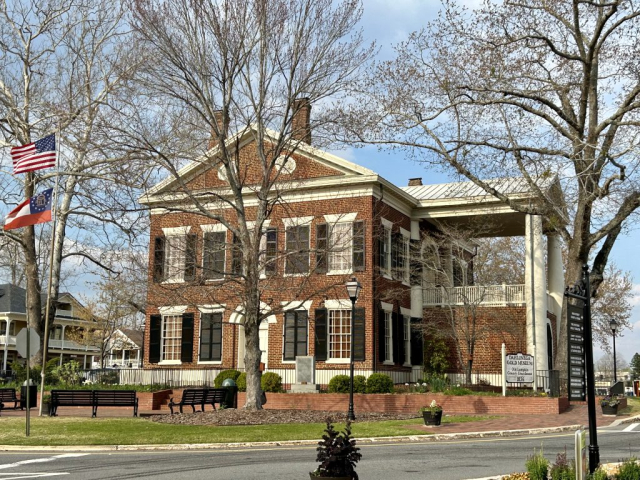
pixel 288 443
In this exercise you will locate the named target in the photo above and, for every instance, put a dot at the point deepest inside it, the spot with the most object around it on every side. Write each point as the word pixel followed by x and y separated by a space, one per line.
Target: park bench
pixel 93 399
pixel 201 397
pixel 8 395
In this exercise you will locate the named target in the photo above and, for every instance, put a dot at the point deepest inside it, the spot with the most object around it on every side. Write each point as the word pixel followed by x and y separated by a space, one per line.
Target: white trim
pixel 213 227
pixel 405 311
pixel 169 362
pixel 296 305
pixel 208 362
pixel 387 307
pixel 341 217
pixel 176 231
pixel 386 223
pixel 172 310
pixel 297 221
pixel 237 316
pixel 339 304
pixel 214 308
pixel 405 233
pixel 338 360
pixel 252 223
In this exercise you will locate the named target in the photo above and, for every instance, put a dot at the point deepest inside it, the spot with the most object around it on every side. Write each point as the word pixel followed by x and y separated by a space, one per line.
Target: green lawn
pixel 132 431
pixel 633 406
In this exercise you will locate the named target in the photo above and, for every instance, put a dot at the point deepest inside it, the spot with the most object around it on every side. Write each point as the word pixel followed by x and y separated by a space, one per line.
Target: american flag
pixel 35 156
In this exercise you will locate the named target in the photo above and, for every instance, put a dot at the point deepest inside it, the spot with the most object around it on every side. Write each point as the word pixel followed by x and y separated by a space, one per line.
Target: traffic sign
pixel 21 342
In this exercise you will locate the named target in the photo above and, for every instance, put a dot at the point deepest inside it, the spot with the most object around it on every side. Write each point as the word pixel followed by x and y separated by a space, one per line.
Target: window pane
pixel 339 333
pixel 172 337
pixel 175 257
pixel 340 254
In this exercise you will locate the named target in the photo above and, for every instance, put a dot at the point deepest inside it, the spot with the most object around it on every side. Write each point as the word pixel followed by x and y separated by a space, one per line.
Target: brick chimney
pixel 301 122
pixel 218 116
pixel 415 182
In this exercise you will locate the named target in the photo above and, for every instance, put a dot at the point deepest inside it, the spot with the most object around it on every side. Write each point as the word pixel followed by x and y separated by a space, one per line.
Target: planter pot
pixel 609 410
pixel 432 419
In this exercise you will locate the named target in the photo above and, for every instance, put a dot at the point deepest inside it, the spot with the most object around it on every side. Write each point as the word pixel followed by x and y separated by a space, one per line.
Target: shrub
pixel 110 377
pixel 379 383
pixel 563 469
pixel 629 470
pixel 457 391
pixel 360 384
pixel 340 384
pixel 537 466
pixel 241 382
pixel 437 384
pixel 69 373
pixel 271 382
pixel 223 375
pixel 598 474
pixel 20 372
pixel 337 454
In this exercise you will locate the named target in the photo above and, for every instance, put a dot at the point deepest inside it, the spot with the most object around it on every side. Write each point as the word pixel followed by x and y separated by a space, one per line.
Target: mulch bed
pixel 232 416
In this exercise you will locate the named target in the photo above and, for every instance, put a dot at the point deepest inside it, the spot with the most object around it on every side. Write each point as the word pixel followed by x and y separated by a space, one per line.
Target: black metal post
pixel 594 450
pixel 350 415
pixel 615 373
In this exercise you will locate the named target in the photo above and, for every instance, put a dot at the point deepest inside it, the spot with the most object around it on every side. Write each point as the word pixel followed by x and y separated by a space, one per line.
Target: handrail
pixel 474 295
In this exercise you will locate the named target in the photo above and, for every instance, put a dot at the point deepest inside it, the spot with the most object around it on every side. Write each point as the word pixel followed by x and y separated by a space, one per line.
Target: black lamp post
pixel 353 290
pixel 614 326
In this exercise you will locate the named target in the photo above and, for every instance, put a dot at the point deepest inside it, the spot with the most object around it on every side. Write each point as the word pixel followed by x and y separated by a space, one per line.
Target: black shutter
pixel 417 348
pixel 358 335
pixel 394 254
pixel 302 333
pixel 186 353
pixel 289 336
pixel 395 336
pixel 236 256
pixel 415 267
pixel 321 247
pixel 216 337
pixel 155 336
pixel 403 349
pixel 382 345
pixel 358 246
pixel 158 259
pixel 382 253
pixel 190 258
pixel 321 334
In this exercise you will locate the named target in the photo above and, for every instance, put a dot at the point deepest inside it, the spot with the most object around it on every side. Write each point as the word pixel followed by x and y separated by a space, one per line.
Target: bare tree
pixel 241 66
pixel 63 65
pixel 530 89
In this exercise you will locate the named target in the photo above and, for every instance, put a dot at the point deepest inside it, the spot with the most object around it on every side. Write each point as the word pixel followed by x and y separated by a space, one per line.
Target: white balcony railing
pixel 70 345
pixel 3 339
pixel 497 295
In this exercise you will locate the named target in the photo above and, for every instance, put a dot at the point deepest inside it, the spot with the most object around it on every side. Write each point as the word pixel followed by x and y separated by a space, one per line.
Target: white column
pixel 536 291
pixel 138 358
pixel 6 345
pixel 556 276
pixel 416 290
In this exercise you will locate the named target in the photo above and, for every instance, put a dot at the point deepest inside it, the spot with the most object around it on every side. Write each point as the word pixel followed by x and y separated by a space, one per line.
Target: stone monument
pixel 305 376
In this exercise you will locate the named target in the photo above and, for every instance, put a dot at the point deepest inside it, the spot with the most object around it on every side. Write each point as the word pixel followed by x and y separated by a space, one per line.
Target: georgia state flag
pixel 30 212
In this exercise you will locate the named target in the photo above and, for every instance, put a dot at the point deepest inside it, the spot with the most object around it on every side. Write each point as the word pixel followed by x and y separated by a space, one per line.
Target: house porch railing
pixel 4 338
pixel 489 295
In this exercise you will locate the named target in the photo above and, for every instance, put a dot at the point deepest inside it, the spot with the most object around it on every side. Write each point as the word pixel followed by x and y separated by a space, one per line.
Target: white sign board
pixel 519 368
pixel 581 454
pixel 21 343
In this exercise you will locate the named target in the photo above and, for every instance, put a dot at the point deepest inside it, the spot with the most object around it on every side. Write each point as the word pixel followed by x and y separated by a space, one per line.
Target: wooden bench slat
pixel 199 397
pixel 94 399
pixel 8 395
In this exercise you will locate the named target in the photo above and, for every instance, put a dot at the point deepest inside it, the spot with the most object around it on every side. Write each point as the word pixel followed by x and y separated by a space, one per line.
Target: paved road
pixel 451 460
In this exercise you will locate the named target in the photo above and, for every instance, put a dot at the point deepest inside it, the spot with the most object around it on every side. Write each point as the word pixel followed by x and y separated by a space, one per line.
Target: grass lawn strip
pixel 47 431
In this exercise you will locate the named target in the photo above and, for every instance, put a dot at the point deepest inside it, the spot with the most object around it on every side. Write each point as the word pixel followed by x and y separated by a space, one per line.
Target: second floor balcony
pixel 486 295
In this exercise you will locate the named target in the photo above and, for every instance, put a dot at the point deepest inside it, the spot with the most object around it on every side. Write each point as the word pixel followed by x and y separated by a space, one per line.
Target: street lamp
pixel 614 326
pixel 353 290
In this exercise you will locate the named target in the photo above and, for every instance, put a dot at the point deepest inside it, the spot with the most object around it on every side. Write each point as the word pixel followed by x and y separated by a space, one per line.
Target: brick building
pixel 333 220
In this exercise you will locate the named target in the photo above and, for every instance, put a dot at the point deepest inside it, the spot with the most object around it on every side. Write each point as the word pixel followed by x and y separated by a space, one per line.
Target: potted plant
pixel 337 455
pixel 432 414
pixel 46 404
pixel 609 405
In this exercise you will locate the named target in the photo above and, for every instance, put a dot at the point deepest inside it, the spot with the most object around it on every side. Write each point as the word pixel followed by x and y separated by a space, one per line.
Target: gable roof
pixel 12 298
pixel 136 336
pixel 243 138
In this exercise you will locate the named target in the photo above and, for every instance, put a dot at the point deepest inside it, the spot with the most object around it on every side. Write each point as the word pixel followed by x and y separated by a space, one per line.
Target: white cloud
pixel 635 290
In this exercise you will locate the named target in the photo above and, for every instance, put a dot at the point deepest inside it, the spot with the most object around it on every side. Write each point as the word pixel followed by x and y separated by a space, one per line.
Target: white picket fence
pixel 489 295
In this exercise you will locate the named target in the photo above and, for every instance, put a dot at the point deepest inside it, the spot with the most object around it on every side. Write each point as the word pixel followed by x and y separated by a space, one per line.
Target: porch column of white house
pixel 416 290
pixel 556 277
pixel 62 343
pixel 138 358
pixel 536 291
pixel 6 344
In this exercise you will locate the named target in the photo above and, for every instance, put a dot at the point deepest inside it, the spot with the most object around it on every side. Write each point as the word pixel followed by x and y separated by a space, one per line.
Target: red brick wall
pixel 495 325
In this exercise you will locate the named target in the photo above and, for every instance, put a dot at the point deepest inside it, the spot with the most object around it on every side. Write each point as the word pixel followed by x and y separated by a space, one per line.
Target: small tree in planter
pixel 337 454
pixel 432 414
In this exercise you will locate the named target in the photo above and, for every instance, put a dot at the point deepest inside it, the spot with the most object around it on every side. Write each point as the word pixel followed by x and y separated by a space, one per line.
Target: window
pixel 339 334
pixel 297 249
pixel 175 256
pixel 214 255
pixel 340 254
pixel 211 337
pixel 171 338
pixel 295 334
pixel 407 339
pixel 385 249
pixel 3 328
pixel 269 245
pixel 56 333
pixel 388 337
pixel 237 258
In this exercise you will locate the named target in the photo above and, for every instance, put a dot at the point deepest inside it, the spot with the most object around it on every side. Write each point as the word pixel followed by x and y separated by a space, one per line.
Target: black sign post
pixel 581 357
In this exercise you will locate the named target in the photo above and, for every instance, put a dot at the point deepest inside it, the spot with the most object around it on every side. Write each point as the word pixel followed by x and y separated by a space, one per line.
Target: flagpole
pixel 54 206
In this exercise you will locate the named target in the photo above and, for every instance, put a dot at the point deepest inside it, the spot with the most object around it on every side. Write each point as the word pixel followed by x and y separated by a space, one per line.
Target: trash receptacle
pixel 231 401
pixel 33 395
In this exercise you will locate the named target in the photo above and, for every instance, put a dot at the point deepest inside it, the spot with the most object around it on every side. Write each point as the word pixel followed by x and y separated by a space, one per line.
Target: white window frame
pixel 171 311
pixel 343 312
pixel 204 309
pixel 297 222
pixel 177 347
pixel 406 236
pixel 214 228
pixel 387 311
pixel 172 235
pixel 346 247
pixel 300 306
pixel 388 226
pixel 406 328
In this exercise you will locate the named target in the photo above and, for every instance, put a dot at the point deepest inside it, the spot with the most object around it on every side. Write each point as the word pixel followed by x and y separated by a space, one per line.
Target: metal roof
pixel 12 298
pixel 441 191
